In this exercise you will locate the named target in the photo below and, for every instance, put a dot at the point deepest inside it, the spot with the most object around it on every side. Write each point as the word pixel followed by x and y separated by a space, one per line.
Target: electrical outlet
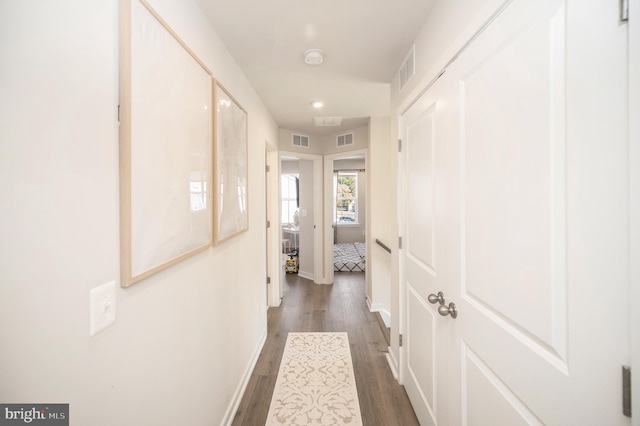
pixel 102 307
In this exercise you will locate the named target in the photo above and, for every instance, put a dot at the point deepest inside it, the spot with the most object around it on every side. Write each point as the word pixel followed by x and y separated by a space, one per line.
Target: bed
pixel 349 257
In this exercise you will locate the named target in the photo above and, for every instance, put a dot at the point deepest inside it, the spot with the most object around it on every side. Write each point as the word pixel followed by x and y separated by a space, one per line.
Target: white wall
pixel 185 337
pixel 306 212
pixel 381 224
pixel 360 141
pixel 290 167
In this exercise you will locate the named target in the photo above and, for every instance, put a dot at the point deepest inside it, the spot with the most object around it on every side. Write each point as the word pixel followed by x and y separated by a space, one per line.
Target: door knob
pixel 448 310
pixel 432 298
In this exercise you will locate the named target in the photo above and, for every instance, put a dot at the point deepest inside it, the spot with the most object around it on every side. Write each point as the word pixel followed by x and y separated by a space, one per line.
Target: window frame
pixel 286 199
pixel 354 199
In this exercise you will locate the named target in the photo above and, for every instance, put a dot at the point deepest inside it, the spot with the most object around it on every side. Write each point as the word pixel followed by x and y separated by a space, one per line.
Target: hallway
pixel 338 307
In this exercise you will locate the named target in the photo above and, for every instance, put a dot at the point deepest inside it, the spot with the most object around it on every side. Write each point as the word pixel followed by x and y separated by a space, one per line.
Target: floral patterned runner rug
pixel 315 384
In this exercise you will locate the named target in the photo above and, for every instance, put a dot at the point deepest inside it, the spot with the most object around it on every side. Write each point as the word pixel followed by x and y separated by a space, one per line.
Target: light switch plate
pixel 102 307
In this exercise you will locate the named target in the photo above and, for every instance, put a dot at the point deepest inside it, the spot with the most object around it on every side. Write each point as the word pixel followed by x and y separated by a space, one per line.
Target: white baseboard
pixel 305 274
pixel 230 414
pixel 393 364
pixel 386 317
pixel 384 313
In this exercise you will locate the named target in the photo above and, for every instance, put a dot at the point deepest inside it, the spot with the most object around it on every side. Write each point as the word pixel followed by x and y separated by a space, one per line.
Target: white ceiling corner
pixel 364 44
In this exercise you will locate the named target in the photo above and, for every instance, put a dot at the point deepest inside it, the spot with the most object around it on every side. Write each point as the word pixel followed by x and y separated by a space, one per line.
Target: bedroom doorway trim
pixel 328 208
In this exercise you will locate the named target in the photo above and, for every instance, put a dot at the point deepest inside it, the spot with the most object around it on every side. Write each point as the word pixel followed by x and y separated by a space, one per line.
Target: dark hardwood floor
pixel 339 307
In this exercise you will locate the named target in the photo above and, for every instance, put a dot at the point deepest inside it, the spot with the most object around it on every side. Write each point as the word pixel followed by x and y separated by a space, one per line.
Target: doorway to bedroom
pixel 290 213
pixel 301 215
pixel 349 213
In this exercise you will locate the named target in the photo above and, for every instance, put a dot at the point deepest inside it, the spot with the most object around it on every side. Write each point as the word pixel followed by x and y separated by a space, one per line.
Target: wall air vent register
pixel 344 140
pixel 300 140
pixel 408 68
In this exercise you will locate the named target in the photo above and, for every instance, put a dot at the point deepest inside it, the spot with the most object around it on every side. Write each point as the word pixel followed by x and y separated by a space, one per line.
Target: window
pixel 289 193
pixel 345 186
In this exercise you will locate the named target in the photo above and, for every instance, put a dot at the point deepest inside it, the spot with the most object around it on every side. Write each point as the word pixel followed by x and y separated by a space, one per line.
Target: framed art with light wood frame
pixel 230 166
pixel 165 146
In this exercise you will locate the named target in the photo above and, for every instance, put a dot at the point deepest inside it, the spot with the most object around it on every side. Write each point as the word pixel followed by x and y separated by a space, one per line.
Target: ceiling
pixel 364 42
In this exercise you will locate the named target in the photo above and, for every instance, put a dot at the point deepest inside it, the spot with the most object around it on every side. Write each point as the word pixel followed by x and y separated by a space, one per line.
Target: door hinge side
pixel 400 340
pixel 626 390
pixel 268 224
pixel 267 168
pixel 118 113
pixel 400 243
pixel 624 10
pixel 268 280
pixel 399 145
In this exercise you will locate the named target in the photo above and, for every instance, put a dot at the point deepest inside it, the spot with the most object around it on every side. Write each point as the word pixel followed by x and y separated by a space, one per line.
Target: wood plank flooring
pixel 339 307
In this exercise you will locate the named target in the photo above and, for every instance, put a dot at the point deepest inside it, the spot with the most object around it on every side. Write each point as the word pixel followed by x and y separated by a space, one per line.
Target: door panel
pixel 513 182
pixel 420 192
pixel 421 357
pixel 490 402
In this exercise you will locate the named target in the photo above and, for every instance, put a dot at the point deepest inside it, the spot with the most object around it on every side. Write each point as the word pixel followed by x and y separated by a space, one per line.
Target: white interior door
pixel 517 210
pixel 423 192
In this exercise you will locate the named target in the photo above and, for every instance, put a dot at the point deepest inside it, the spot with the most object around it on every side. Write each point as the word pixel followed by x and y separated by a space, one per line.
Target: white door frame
pixel 634 202
pixel 398 365
pixel 272 187
pixel 328 208
pixel 317 210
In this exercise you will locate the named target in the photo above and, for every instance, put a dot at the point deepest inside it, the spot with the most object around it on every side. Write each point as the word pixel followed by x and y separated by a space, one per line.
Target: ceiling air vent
pixel 408 68
pixel 344 140
pixel 327 121
pixel 300 140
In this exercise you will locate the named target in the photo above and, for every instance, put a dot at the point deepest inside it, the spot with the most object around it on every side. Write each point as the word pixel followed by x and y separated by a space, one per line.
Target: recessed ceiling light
pixel 317 104
pixel 314 56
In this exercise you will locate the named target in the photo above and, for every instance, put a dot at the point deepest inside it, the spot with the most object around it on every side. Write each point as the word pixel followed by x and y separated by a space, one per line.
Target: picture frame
pixel 230 166
pixel 166 119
